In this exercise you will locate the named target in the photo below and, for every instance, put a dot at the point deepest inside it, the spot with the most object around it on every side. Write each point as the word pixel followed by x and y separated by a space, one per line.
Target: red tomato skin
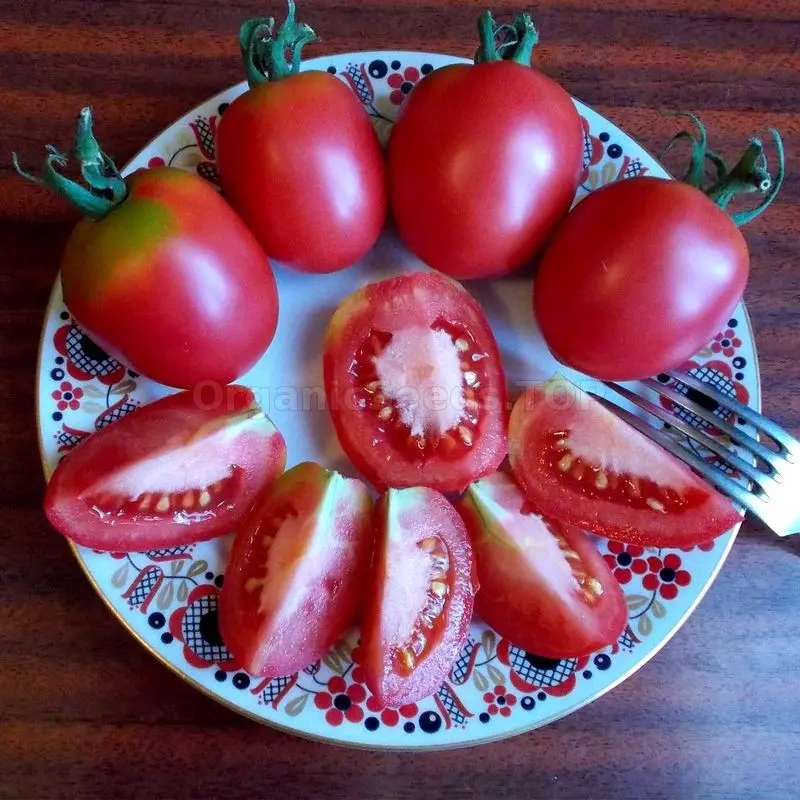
pixel 535 415
pixel 163 426
pixel 639 276
pixel 383 305
pixel 483 162
pixel 300 161
pixel 518 604
pixel 441 519
pixel 255 635
pixel 172 282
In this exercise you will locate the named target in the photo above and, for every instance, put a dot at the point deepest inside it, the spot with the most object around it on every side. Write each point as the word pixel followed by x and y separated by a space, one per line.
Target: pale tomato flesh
pixel 579 463
pixel 415 384
pixel 298 571
pixel 543 585
pixel 419 609
pixel 172 472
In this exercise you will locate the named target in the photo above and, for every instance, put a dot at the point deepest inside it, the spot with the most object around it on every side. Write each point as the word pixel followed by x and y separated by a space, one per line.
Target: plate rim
pixel 283 728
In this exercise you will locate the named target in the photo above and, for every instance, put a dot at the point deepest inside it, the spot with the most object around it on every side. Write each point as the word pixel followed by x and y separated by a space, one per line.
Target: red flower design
pixel 624 560
pixel 67 396
pixel 726 342
pixel 666 576
pixel 706 547
pixel 342 702
pixel 402 83
pixel 499 701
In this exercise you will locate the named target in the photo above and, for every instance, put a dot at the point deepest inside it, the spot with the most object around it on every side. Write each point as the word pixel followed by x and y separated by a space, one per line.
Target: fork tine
pixel 786 442
pixel 718 479
pixel 736 434
pixel 752 472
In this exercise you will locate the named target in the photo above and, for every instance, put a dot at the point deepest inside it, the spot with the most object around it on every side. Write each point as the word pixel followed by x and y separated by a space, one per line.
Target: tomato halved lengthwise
pixel 579 463
pixel 419 609
pixel 298 571
pixel 543 585
pixel 175 471
pixel 415 385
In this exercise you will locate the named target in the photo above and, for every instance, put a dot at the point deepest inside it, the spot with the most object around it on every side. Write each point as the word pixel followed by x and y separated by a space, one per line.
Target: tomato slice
pixel 581 464
pixel 418 612
pixel 173 472
pixel 415 384
pixel 543 585
pixel 297 571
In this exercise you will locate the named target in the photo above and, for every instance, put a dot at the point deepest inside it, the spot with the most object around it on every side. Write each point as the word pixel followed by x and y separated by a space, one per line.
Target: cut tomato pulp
pixel 419 609
pixel 173 472
pixel 297 572
pixel 543 585
pixel 415 385
pixel 581 464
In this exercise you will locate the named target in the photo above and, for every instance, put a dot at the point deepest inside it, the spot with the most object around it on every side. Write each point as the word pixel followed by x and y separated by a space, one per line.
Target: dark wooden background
pixel 85 712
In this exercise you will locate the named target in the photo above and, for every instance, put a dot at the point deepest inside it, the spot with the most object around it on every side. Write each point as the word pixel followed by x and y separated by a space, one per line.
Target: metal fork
pixel 772 490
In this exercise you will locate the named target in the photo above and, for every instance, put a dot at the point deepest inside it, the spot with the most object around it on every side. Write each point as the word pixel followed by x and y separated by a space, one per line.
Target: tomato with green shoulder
pixel 161 272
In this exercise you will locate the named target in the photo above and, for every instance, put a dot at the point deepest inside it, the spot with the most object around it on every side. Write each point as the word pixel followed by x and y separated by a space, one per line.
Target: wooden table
pixel 84 711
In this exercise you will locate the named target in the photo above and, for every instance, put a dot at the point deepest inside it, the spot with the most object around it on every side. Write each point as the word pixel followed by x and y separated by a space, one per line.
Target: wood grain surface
pixel 85 712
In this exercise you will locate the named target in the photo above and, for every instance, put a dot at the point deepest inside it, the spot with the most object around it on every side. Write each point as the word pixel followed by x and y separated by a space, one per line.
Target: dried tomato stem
pixel 509 42
pixel 750 174
pixel 105 188
pixel 265 52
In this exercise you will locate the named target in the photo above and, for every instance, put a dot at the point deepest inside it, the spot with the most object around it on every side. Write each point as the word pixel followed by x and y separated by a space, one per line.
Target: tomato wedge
pixel 419 609
pixel 415 385
pixel 543 585
pixel 297 571
pixel 581 464
pixel 173 472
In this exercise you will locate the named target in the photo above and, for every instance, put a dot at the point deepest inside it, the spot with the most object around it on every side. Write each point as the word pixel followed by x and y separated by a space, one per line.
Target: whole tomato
pixel 162 273
pixel 485 159
pixel 644 272
pixel 298 157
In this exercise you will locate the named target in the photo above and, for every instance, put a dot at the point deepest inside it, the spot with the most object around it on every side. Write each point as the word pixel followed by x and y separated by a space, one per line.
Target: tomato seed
pixel 188 500
pixel 656 505
pixel 565 462
pixel 163 504
pixel 204 499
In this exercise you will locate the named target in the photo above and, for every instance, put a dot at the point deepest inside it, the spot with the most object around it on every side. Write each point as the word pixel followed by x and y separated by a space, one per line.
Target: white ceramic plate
pixel 167 599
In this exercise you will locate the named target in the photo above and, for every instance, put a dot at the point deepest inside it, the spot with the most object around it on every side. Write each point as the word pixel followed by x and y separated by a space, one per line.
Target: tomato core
pixel 421 383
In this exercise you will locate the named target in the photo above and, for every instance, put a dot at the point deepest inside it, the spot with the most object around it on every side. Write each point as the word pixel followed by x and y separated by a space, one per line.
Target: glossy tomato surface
pixel 580 464
pixel 172 282
pixel 176 471
pixel 656 262
pixel 300 161
pixel 483 161
pixel 420 603
pixel 298 571
pixel 543 585
pixel 415 385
